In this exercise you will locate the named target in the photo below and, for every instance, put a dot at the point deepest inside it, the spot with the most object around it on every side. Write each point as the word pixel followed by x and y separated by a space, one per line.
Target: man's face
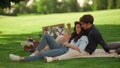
pixel 84 25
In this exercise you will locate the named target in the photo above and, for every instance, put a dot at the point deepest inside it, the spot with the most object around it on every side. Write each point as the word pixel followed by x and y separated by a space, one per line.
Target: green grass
pixel 13 30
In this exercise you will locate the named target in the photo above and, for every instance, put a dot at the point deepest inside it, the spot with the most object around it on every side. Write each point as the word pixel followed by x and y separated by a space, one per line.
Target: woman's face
pixel 78 29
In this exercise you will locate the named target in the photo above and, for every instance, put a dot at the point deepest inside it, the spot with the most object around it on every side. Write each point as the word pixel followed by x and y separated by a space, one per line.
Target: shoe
pixel 48 59
pixel 32 54
pixel 14 57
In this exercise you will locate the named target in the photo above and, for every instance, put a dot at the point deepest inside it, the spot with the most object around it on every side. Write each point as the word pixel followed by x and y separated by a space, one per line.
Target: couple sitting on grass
pixel 82 42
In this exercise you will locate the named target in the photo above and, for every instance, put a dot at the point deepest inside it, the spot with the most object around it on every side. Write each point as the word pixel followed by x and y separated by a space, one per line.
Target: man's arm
pixel 101 41
pixel 83 43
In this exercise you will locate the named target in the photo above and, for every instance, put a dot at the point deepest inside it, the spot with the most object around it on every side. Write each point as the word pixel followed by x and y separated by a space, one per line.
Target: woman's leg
pixel 51 53
pixel 68 55
pixel 47 39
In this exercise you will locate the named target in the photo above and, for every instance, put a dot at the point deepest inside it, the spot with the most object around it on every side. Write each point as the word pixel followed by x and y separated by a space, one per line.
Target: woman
pixel 78 43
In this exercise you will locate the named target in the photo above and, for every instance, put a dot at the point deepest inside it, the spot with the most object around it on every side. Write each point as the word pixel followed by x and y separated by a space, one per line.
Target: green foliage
pixel 86 7
pixel 53 6
pixel 72 5
pixel 47 6
pixel 22 9
pixel 100 4
pixel 118 4
pixel 111 4
pixel 1 11
pixel 6 3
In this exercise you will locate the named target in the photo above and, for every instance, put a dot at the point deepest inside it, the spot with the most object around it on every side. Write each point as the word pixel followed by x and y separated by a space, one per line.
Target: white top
pixel 81 43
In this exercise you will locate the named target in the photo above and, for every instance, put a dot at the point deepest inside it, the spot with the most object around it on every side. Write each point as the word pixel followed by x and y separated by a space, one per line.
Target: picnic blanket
pixel 99 53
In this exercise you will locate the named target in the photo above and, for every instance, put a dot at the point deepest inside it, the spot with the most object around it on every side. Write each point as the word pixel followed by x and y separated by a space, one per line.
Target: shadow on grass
pixel 110 33
pixel 11 44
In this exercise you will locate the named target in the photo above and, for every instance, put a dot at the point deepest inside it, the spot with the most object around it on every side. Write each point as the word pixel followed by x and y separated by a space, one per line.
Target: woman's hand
pixel 68 28
pixel 73 47
pixel 69 25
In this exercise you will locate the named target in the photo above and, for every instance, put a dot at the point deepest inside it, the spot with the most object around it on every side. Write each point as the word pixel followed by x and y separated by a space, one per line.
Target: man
pixel 94 36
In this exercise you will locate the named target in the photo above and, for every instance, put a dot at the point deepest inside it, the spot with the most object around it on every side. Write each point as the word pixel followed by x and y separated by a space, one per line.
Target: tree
pixel 87 6
pixel 118 4
pixel 53 6
pixel 1 11
pixel 47 6
pixel 112 4
pixel 7 3
pixel 100 4
pixel 73 5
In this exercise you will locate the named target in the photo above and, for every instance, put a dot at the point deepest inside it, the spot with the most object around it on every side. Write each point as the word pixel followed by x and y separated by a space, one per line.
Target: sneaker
pixel 32 54
pixel 14 57
pixel 48 59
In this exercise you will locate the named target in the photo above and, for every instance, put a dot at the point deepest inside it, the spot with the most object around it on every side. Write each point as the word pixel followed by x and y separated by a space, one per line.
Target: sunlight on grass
pixel 34 23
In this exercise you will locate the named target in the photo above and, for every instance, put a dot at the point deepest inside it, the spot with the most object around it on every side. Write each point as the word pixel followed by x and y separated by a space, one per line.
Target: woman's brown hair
pixel 74 35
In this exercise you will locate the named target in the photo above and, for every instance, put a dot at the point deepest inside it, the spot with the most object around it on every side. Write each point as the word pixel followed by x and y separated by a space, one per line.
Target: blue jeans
pixel 55 49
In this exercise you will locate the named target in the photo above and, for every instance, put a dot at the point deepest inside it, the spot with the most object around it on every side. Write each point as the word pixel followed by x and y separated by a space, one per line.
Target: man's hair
pixel 87 18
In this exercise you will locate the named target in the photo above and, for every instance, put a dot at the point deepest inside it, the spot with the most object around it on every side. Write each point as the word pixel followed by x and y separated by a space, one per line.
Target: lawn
pixel 14 30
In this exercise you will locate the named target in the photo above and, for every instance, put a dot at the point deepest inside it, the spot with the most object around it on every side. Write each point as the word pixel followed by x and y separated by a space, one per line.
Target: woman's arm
pixel 81 46
pixel 83 43
pixel 68 29
pixel 72 46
